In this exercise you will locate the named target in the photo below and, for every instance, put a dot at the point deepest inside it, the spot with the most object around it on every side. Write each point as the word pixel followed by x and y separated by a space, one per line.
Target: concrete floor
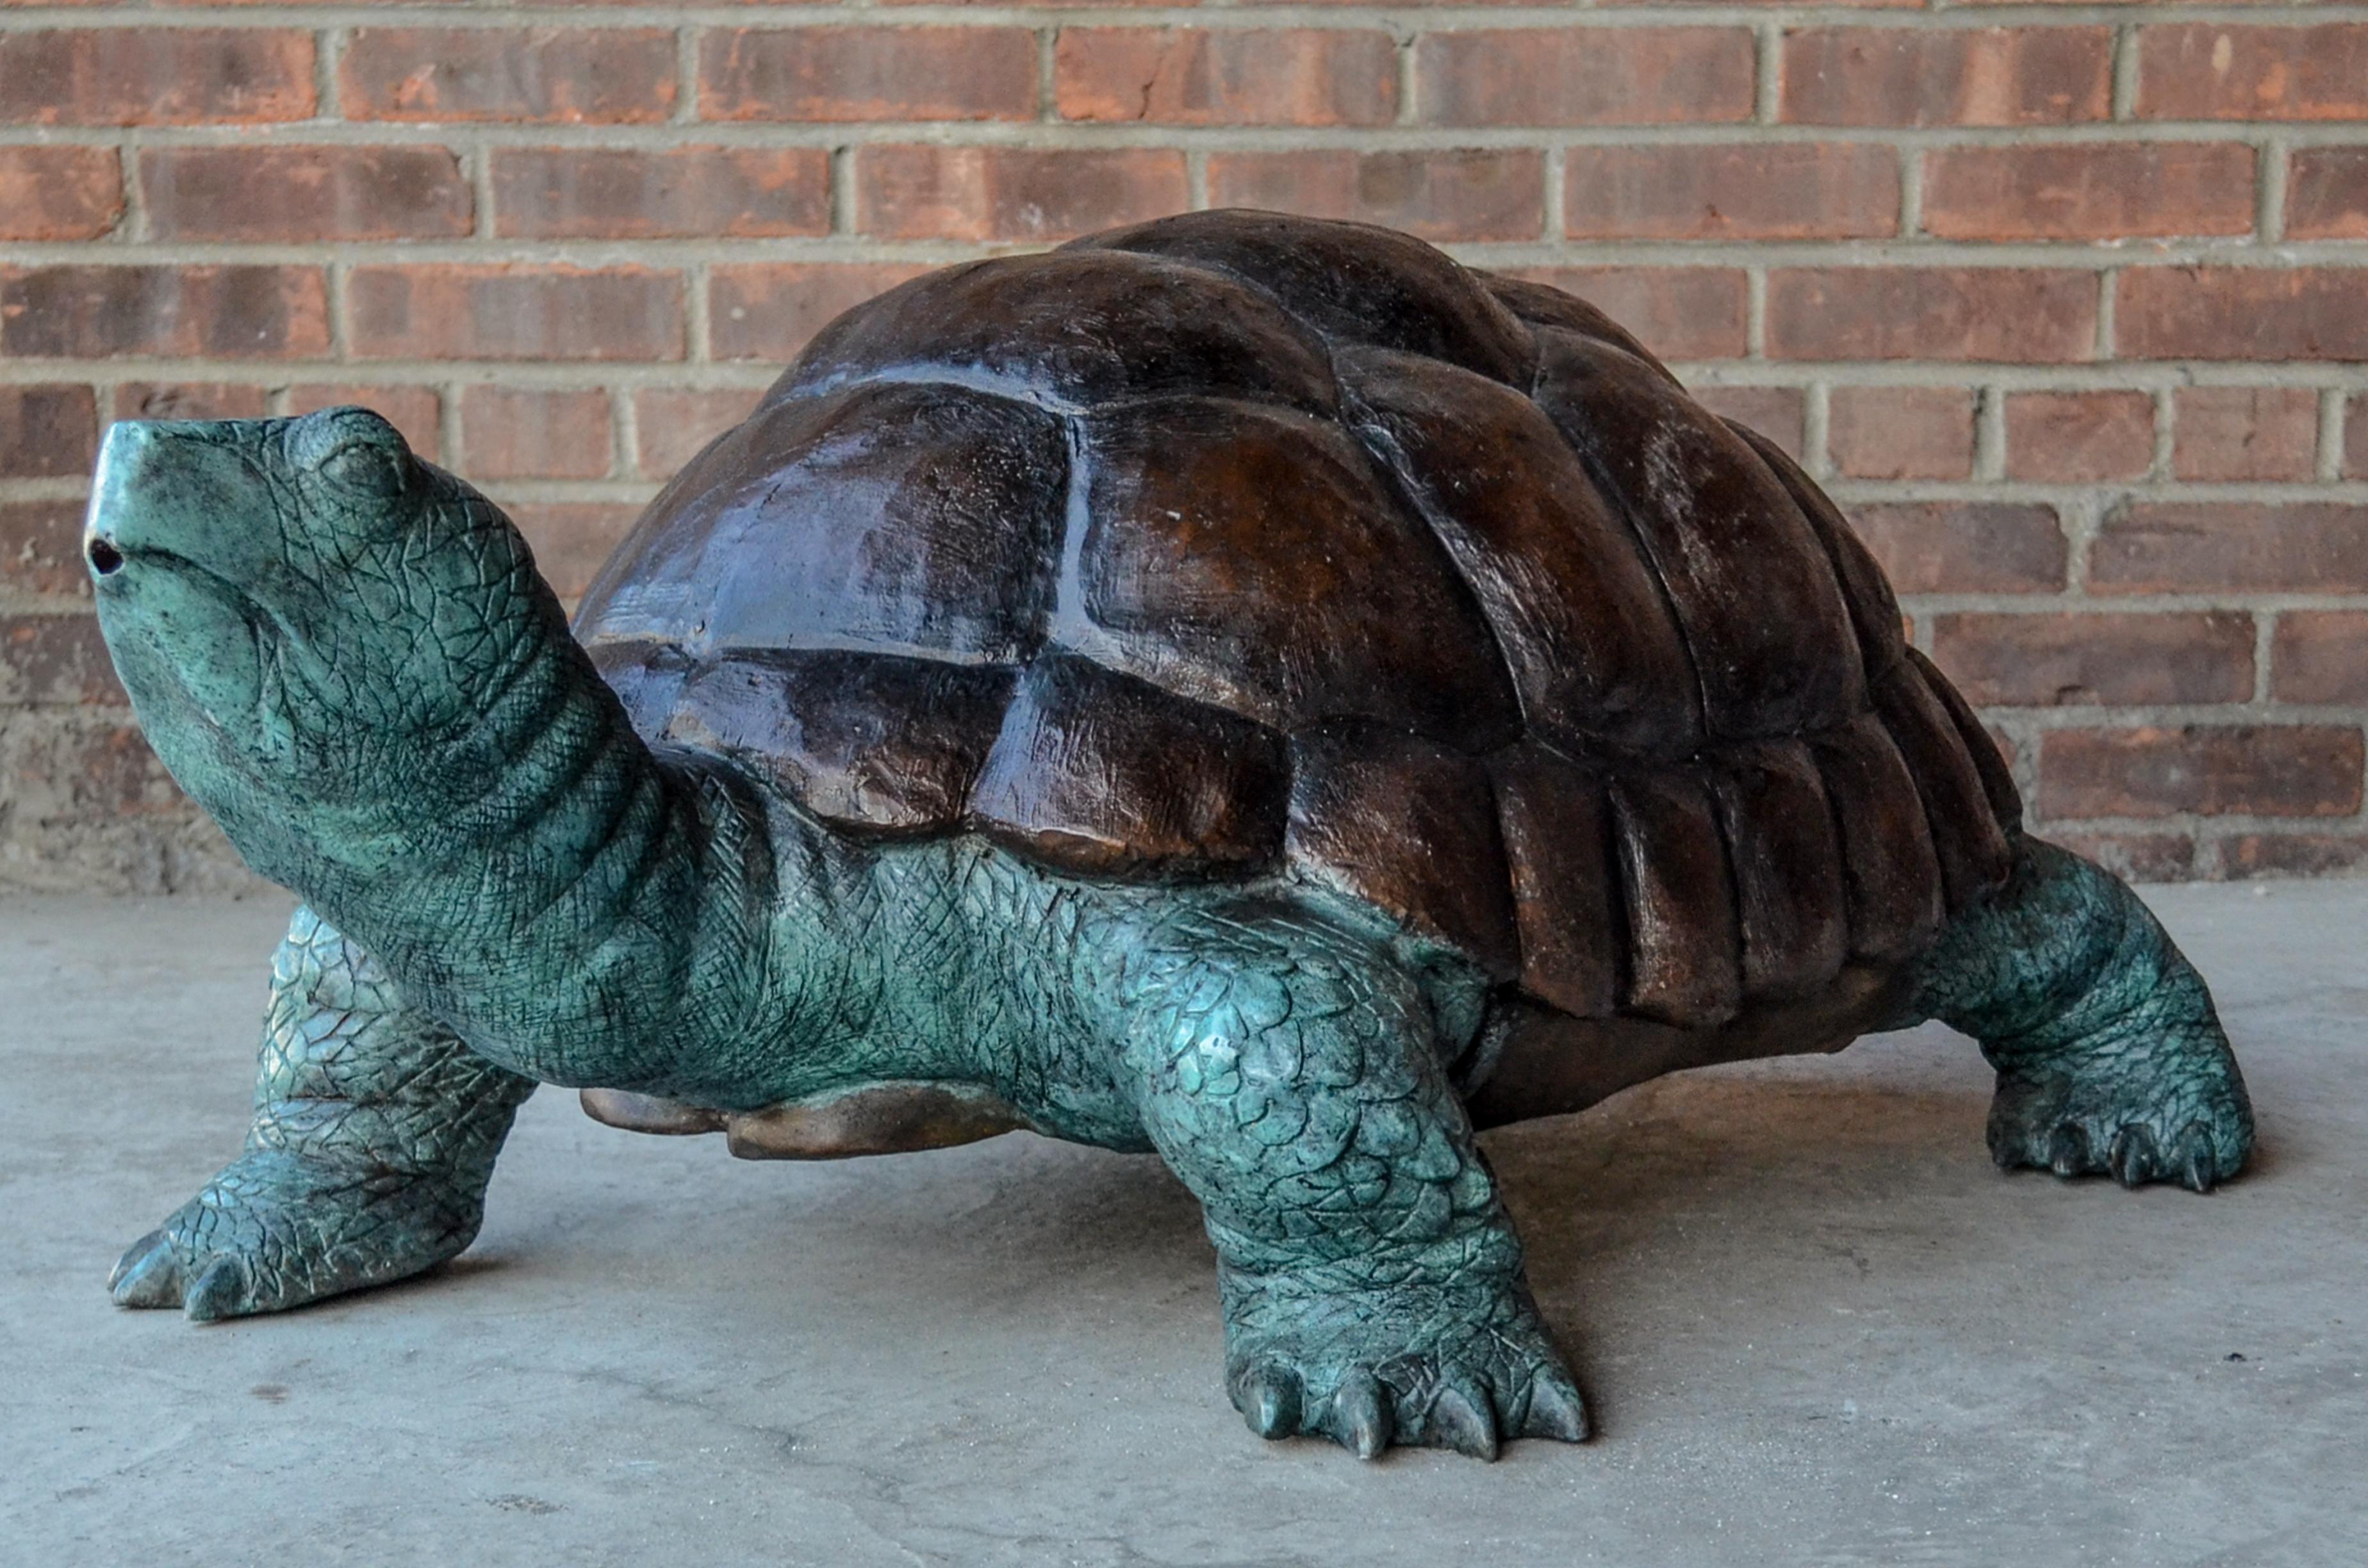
pixel 1815 1326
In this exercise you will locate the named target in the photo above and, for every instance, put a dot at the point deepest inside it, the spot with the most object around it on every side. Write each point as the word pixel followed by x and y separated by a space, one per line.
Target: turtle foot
pixel 276 1230
pixel 2145 1118
pixel 1459 1366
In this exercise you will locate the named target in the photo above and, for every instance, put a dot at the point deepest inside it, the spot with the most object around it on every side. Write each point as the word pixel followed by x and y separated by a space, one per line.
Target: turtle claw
pixel 2132 1157
pixel 1555 1411
pixel 2192 1158
pixel 147 1274
pixel 1269 1401
pixel 2067 1151
pixel 1361 1416
pixel 1461 1418
pixel 221 1292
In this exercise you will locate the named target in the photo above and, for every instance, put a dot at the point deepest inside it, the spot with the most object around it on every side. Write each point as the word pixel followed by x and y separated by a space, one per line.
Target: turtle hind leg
pixel 2108 1054
pixel 1370 1280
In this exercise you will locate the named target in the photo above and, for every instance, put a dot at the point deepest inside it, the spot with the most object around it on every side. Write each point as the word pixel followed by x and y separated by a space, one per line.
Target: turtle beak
pixel 178 489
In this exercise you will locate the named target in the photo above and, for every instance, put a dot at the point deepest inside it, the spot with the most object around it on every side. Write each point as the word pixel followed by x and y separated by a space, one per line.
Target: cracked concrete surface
pixel 1816 1326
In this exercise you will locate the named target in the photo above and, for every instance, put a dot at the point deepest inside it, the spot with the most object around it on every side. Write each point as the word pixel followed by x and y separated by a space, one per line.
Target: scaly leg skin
pixel 1370 1280
pixel 375 1132
pixel 2108 1054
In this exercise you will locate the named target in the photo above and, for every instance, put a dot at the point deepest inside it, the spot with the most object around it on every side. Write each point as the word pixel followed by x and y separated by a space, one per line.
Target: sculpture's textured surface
pixel 1243 687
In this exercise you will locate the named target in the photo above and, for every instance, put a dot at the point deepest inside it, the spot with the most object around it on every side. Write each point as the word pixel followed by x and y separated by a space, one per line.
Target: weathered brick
pixel 671 424
pixel 59 193
pixel 2247 855
pixel 2326 194
pixel 769 311
pixel 416 412
pixel 1458 194
pixel 2320 655
pixel 1226 75
pixel 533 433
pixel 2287 770
pixel 47 432
pixel 2242 313
pixel 188 313
pixel 2355 437
pixel 2219 70
pixel 571 539
pixel 1679 312
pixel 541 76
pixel 515 312
pixel 634 193
pixel 1965 547
pixel 1902 432
pixel 2319 547
pixel 2235 432
pixel 858 73
pixel 155 76
pixel 56 661
pixel 2078 436
pixel 1590 76
pixel 191 400
pixel 1011 193
pixel 2088 191
pixel 40 547
pixel 84 769
pixel 1772 190
pixel 2093 657
pixel 2135 856
pixel 1947 76
pixel 1778 413
pixel 2035 315
pixel 305 195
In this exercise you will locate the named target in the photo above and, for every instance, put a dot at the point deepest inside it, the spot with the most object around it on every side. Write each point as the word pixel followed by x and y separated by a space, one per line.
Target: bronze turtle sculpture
pixel 1239 686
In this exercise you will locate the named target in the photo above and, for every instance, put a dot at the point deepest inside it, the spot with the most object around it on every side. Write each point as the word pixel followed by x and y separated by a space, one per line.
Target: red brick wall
pixel 2068 303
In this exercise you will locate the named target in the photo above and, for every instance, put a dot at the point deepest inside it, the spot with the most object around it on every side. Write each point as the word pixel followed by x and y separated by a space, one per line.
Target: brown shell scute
pixel 1239 545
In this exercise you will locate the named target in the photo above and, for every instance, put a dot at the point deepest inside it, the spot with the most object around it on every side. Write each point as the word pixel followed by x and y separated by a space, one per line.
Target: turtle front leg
pixel 2109 1053
pixel 1372 1283
pixel 374 1136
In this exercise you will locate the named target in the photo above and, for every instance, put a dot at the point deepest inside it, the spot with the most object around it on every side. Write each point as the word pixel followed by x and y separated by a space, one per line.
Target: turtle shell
pixel 1237 544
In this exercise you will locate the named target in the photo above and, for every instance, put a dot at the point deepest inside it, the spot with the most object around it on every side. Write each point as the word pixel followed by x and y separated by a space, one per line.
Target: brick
pixel 2287 770
pixel 2088 191
pixel 2028 316
pixel 1011 193
pixel 523 313
pixel 143 75
pixel 1778 413
pixel 529 433
pixel 541 76
pixel 2237 433
pixel 1460 194
pixel 2326 194
pixel 40 547
pixel 1952 77
pixel 1591 76
pixel 190 399
pixel 2215 71
pixel 671 424
pixel 1770 190
pixel 866 74
pixel 2135 856
pixel 2079 436
pixel 2242 313
pixel 688 192
pixel 572 538
pixel 2248 855
pixel 186 313
pixel 59 193
pixel 305 195
pixel 2314 547
pixel 2355 437
pixel 56 661
pixel 2094 657
pixel 1226 75
pixel 47 432
pixel 1965 547
pixel 1902 432
pixel 2320 655
pixel 415 412
pixel 83 773
pixel 769 311
pixel 1679 312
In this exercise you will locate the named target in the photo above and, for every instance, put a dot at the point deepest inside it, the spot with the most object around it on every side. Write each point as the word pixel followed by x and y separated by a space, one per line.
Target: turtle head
pixel 311 621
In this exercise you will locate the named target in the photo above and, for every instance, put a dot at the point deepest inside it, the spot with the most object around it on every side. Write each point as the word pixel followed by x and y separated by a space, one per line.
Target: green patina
pixel 346 657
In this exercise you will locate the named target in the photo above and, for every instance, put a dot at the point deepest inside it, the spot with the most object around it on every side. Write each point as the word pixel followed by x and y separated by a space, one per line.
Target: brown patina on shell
pixel 1237 544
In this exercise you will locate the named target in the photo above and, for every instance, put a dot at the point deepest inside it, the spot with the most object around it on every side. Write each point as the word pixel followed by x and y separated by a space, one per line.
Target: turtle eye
pixel 352 451
pixel 365 468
